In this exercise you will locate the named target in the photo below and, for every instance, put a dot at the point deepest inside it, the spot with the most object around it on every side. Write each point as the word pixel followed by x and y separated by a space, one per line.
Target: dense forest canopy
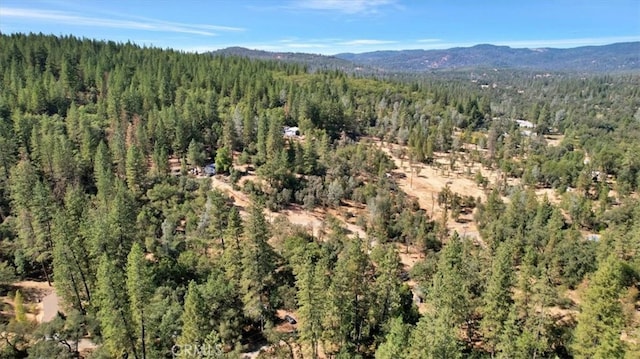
pixel 101 195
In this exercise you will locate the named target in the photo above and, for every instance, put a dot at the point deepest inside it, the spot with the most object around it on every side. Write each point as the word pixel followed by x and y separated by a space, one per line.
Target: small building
pixel 210 169
pixel 526 127
pixel 525 124
pixel 593 237
pixel 291 131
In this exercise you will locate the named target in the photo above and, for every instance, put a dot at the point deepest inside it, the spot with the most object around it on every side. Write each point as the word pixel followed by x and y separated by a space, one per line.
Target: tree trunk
pixel 46 274
pixel 144 343
pixel 75 289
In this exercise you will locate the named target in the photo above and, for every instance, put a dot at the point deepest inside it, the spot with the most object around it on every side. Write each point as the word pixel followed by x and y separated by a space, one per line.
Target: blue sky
pixel 331 26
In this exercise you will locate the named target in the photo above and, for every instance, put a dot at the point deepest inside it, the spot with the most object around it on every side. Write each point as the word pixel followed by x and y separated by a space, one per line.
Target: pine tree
pixel 248 127
pixel 258 264
pixel 8 143
pixel 223 160
pixel 261 141
pixel 275 139
pixel 195 154
pixel 18 304
pixel 450 287
pixel 229 135
pixel 600 321
pixel 386 288
pixel 507 346
pixel 436 334
pixel 139 288
pixel 234 227
pixel 224 308
pixel 396 341
pixel 103 172
pixel 434 337
pixel 195 323
pixel 160 159
pixel 213 220
pixel 349 302
pixel 118 147
pixel 310 295
pixel 136 169
pixel 70 270
pixel 121 221
pixel 34 206
pixel 309 157
pixel 497 297
pixel 113 310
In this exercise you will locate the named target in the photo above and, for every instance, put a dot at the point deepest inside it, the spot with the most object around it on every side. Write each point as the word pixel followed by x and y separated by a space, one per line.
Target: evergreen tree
pixel 436 334
pixel 261 141
pixel 195 154
pixel 434 337
pixel 248 127
pixel 136 169
pixel 450 287
pixel 600 321
pixel 386 288
pixel 310 295
pixel 223 160
pixel 275 139
pixel 258 264
pixel 507 346
pixel 18 305
pixel 396 341
pixel 497 297
pixel 195 323
pixel 103 172
pixel 70 260
pixel 234 227
pixel 139 288
pixel 224 308
pixel 113 310
pixel 347 322
pixel 229 135
pixel 34 207
pixel 121 220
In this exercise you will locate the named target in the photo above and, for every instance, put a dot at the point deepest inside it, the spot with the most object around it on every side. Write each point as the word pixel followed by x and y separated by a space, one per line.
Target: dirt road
pixel 50 307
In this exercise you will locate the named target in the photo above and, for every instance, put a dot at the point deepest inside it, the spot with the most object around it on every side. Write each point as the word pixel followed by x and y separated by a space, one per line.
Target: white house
pixel 291 131
pixel 525 124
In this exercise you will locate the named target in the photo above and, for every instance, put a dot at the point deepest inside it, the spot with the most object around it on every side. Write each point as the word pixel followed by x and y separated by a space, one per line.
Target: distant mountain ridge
pixel 614 57
pixel 606 58
pixel 312 60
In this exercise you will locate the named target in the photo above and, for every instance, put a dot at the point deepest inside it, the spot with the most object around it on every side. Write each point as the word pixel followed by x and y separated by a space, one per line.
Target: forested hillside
pixel 585 59
pixel 617 58
pixel 312 61
pixel 103 197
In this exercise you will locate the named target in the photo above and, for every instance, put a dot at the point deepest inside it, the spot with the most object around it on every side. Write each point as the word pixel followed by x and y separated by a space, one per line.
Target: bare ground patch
pixel 34 294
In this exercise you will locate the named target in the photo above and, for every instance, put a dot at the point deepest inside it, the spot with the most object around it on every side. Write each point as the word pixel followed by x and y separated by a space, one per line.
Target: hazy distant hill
pixel 615 57
pixel 606 58
pixel 313 61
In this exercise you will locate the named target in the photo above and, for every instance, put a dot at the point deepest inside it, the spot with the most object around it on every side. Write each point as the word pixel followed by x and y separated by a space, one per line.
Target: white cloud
pixel 344 6
pixel 145 24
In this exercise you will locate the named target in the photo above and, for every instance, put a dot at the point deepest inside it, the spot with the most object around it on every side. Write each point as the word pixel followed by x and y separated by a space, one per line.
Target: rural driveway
pixel 50 307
